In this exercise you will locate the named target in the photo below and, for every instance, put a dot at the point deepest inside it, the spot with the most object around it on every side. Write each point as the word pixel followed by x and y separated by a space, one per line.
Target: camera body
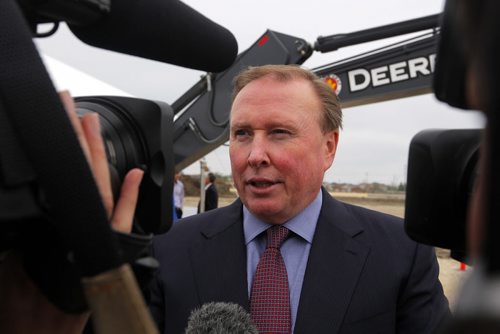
pixel 442 170
pixel 44 175
pixel 442 165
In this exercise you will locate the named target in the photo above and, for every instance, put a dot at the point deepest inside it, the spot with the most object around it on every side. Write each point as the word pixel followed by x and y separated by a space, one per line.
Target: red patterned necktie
pixel 270 296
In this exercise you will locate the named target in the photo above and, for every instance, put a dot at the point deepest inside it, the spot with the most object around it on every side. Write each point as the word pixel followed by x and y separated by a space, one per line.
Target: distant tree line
pixel 224 184
pixel 373 187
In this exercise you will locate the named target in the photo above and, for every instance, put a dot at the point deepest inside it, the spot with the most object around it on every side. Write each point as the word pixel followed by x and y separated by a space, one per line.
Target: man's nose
pixel 258 155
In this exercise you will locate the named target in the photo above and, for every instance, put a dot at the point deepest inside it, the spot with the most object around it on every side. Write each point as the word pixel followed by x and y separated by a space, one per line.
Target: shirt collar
pixel 303 224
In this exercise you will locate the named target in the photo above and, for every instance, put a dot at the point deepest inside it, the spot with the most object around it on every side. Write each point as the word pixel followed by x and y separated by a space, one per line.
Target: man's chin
pixel 269 212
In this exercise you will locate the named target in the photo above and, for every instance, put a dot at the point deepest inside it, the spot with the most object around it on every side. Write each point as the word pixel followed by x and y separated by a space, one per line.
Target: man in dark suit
pixel 348 269
pixel 211 195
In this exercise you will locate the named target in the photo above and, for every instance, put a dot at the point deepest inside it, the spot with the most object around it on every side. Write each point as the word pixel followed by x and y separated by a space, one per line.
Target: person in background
pixel 211 195
pixel 178 195
pixel 321 265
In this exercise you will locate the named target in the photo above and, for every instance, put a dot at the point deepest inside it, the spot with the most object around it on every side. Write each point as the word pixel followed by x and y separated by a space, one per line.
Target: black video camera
pixel 50 209
pixel 452 198
pixel 136 133
pixel 443 164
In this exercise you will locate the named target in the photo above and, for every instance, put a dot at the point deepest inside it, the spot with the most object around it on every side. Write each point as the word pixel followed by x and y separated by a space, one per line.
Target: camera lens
pixel 138 133
pixel 124 145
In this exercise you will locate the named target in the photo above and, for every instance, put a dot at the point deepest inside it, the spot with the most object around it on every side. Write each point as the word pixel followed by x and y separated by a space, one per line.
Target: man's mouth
pixel 261 184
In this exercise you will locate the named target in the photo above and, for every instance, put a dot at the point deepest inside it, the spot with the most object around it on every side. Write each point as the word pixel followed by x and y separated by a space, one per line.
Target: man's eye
pixel 241 133
pixel 280 133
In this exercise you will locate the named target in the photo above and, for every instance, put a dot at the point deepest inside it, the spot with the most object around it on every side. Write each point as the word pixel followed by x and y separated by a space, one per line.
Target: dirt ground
pixel 451 275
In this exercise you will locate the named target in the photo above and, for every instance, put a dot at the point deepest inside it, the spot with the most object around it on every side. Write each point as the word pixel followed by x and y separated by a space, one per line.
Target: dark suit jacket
pixel 211 199
pixel 364 275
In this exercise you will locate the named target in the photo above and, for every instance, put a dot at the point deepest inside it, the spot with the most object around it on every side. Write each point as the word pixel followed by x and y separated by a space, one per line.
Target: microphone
pixel 220 318
pixel 168 31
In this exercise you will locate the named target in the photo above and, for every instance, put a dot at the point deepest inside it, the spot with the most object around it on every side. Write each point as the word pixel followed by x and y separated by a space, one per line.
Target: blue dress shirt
pixel 295 250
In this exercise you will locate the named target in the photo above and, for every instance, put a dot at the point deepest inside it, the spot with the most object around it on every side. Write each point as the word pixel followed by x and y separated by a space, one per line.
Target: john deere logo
pixel 361 78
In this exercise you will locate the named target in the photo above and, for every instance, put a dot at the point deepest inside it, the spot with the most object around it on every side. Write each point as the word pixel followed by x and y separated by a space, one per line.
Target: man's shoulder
pixel 361 214
pixel 374 217
pixel 373 224
pixel 382 233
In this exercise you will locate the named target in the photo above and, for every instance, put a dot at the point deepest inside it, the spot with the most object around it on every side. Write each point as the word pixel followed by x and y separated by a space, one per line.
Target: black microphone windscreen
pixel 220 318
pixel 164 30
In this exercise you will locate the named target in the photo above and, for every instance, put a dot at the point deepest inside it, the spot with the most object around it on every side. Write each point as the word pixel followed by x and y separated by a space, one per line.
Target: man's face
pixel 278 151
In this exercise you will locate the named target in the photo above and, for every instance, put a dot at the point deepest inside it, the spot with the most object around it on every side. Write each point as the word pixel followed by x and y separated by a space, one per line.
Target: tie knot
pixel 276 235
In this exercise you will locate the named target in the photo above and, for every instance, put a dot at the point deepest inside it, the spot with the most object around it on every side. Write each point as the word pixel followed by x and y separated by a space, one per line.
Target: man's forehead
pixel 267 91
pixel 274 83
pixel 252 122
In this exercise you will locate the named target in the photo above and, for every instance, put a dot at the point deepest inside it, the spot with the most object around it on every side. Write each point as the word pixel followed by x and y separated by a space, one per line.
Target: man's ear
pixel 331 142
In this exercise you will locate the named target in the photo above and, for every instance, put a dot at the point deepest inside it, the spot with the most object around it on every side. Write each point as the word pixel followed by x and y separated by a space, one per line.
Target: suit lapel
pixel 219 261
pixel 335 263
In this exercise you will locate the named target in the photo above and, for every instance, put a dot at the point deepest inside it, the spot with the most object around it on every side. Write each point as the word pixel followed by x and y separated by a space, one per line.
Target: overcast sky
pixel 375 139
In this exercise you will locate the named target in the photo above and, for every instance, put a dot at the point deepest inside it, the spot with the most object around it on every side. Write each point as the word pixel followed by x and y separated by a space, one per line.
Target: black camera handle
pixel 45 133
